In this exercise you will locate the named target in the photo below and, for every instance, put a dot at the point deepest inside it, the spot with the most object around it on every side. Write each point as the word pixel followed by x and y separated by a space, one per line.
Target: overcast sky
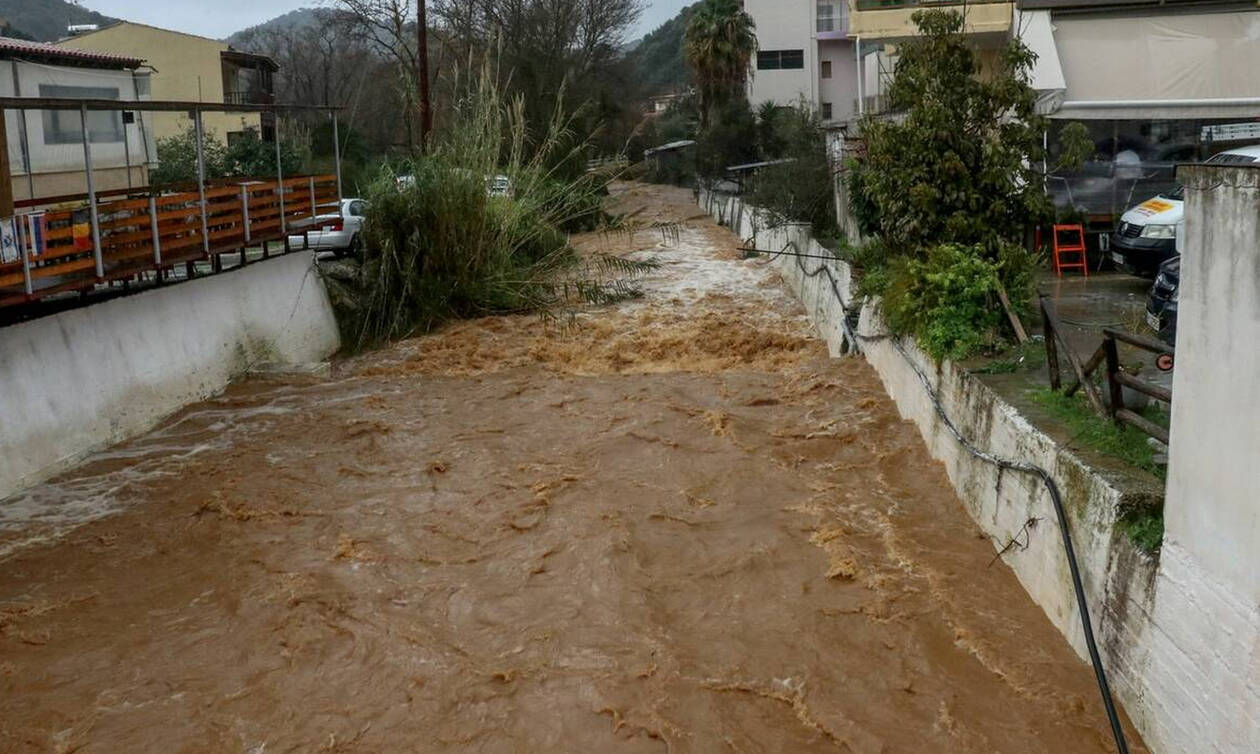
pixel 219 18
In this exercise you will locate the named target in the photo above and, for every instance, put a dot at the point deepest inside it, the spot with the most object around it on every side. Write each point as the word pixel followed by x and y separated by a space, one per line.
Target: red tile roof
pixel 19 48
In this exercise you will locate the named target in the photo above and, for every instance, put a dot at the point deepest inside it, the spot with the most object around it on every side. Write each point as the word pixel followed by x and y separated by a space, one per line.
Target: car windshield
pixel 1177 194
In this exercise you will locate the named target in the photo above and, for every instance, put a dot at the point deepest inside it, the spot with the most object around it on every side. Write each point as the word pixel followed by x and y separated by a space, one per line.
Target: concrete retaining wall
pixel 1120 580
pixel 83 379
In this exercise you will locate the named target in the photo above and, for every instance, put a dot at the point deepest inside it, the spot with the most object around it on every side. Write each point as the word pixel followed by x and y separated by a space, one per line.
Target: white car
pixel 1148 234
pixel 339 235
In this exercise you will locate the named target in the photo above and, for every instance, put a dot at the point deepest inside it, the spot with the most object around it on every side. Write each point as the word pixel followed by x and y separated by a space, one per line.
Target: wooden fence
pixel 158 232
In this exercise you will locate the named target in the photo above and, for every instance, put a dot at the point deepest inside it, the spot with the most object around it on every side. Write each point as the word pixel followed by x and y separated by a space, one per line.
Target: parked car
pixel 1147 234
pixel 496 185
pixel 339 235
pixel 1161 305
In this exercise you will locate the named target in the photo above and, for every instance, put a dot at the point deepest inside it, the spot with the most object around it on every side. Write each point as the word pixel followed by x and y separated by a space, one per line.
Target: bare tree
pixel 541 48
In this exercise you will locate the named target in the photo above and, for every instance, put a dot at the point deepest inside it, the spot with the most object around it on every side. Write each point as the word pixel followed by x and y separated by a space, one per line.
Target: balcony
pixel 891 19
pixel 248 79
pixel 863 5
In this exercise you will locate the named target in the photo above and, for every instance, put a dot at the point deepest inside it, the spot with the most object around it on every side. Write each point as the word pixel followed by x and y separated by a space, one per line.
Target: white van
pixel 1147 233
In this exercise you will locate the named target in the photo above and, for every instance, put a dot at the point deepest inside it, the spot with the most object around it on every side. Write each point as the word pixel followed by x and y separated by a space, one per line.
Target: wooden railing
pixel 1107 353
pixel 158 232
pixel 1118 379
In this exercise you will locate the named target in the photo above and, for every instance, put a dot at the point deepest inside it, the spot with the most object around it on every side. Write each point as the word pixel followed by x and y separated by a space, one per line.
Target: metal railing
pixel 898 4
pixel 249 97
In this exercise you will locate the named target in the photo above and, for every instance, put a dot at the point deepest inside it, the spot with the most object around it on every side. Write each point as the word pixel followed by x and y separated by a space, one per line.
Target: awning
pixel 1034 30
pixel 1160 67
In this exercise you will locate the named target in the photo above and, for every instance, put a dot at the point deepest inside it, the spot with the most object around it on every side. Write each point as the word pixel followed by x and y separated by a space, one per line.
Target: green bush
pixel 800 190
pixel 948 301
pixel 247 156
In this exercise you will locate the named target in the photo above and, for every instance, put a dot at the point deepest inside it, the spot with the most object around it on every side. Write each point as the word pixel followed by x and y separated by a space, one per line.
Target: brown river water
pixel 672 526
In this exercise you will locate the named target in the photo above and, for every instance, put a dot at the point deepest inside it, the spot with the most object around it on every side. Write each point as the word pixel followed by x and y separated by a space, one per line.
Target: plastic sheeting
pixel 1158 59
pixel 48 155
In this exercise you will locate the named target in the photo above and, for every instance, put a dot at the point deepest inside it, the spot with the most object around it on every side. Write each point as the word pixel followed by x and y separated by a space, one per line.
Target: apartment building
pixel 805 54
pixel 838 55
pixel 190 68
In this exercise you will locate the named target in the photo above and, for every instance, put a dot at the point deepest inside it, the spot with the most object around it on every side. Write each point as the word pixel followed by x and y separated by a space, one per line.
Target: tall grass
pixel 437 245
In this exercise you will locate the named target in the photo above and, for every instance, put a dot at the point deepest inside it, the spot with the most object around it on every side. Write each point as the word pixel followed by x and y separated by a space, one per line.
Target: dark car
pixel 1161 305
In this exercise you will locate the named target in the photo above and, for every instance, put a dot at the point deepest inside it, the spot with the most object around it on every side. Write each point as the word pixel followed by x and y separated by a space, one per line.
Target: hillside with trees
pixel 46 20
pixel 658 61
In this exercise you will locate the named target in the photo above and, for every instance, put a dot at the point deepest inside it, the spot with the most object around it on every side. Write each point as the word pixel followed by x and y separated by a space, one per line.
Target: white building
pixel 46 156
pixel 804 53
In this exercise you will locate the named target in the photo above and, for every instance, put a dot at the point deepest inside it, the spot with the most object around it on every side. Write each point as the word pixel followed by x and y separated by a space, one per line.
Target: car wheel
pixel 353 250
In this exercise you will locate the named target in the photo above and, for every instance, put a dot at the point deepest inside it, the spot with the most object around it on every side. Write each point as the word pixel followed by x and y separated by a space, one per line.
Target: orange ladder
pixel 1069 241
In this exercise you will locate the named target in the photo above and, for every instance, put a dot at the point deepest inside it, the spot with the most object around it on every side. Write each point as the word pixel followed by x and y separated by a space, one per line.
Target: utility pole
pixel 426 106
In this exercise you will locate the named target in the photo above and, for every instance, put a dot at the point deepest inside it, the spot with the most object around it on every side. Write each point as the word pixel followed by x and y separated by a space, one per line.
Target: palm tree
pixel 719 44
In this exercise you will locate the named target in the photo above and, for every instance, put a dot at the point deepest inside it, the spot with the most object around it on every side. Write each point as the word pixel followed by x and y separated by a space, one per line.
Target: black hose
pixel 1104 688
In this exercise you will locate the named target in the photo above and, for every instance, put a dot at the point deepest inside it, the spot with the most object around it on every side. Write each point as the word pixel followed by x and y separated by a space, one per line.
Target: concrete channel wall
pixel 74 382
pixel 1120 580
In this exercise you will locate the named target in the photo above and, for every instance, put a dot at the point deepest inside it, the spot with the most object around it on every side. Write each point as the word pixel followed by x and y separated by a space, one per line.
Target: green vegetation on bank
pixel 949 190
pixel 1100 433
pixel 1143 525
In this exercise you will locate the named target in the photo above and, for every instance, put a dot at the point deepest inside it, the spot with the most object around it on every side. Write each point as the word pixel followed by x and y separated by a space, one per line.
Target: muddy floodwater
pixel 673 525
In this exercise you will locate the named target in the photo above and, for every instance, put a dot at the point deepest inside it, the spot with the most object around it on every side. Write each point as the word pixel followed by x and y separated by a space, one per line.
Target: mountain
pixel 658 58
pixel 46 20
pixel 291 21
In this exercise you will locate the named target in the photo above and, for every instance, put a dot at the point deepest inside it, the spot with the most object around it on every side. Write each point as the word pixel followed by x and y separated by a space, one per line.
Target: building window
pixel 826 69
pixel 780 60
pixel 827 16
pixel 826 111
pixel 65 126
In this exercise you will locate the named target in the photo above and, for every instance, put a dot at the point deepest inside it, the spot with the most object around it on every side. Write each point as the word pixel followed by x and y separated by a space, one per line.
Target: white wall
pixel 1208 601
pixel 74 382
pixel 784 25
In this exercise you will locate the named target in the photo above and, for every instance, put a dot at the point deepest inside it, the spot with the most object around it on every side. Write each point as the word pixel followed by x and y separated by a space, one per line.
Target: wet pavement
pixel 674 525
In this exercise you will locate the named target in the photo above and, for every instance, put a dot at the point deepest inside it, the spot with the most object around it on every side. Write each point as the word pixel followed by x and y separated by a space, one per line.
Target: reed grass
pixel 438 245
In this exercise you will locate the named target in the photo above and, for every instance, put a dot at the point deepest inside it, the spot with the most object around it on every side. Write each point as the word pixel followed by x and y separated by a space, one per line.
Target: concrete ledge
pixel 1119 579
pixel 77 381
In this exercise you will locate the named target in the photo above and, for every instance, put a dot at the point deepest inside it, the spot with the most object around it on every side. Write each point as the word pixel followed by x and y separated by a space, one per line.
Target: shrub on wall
pixel 947 300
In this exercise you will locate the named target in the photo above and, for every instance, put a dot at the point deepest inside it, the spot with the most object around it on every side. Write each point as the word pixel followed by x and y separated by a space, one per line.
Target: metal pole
pixel 23 139
pixel 857 59
pixel 91 187
pixel 422 53
pixel 284 225
pixel 157 236
pixel 336 156
pixel 311 184
pixel 126 149
pixel 201 181
pixel 245 208
pixel 24 232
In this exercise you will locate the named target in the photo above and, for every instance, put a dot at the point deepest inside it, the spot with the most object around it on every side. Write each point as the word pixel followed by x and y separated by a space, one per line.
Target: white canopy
pixel 1168 66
